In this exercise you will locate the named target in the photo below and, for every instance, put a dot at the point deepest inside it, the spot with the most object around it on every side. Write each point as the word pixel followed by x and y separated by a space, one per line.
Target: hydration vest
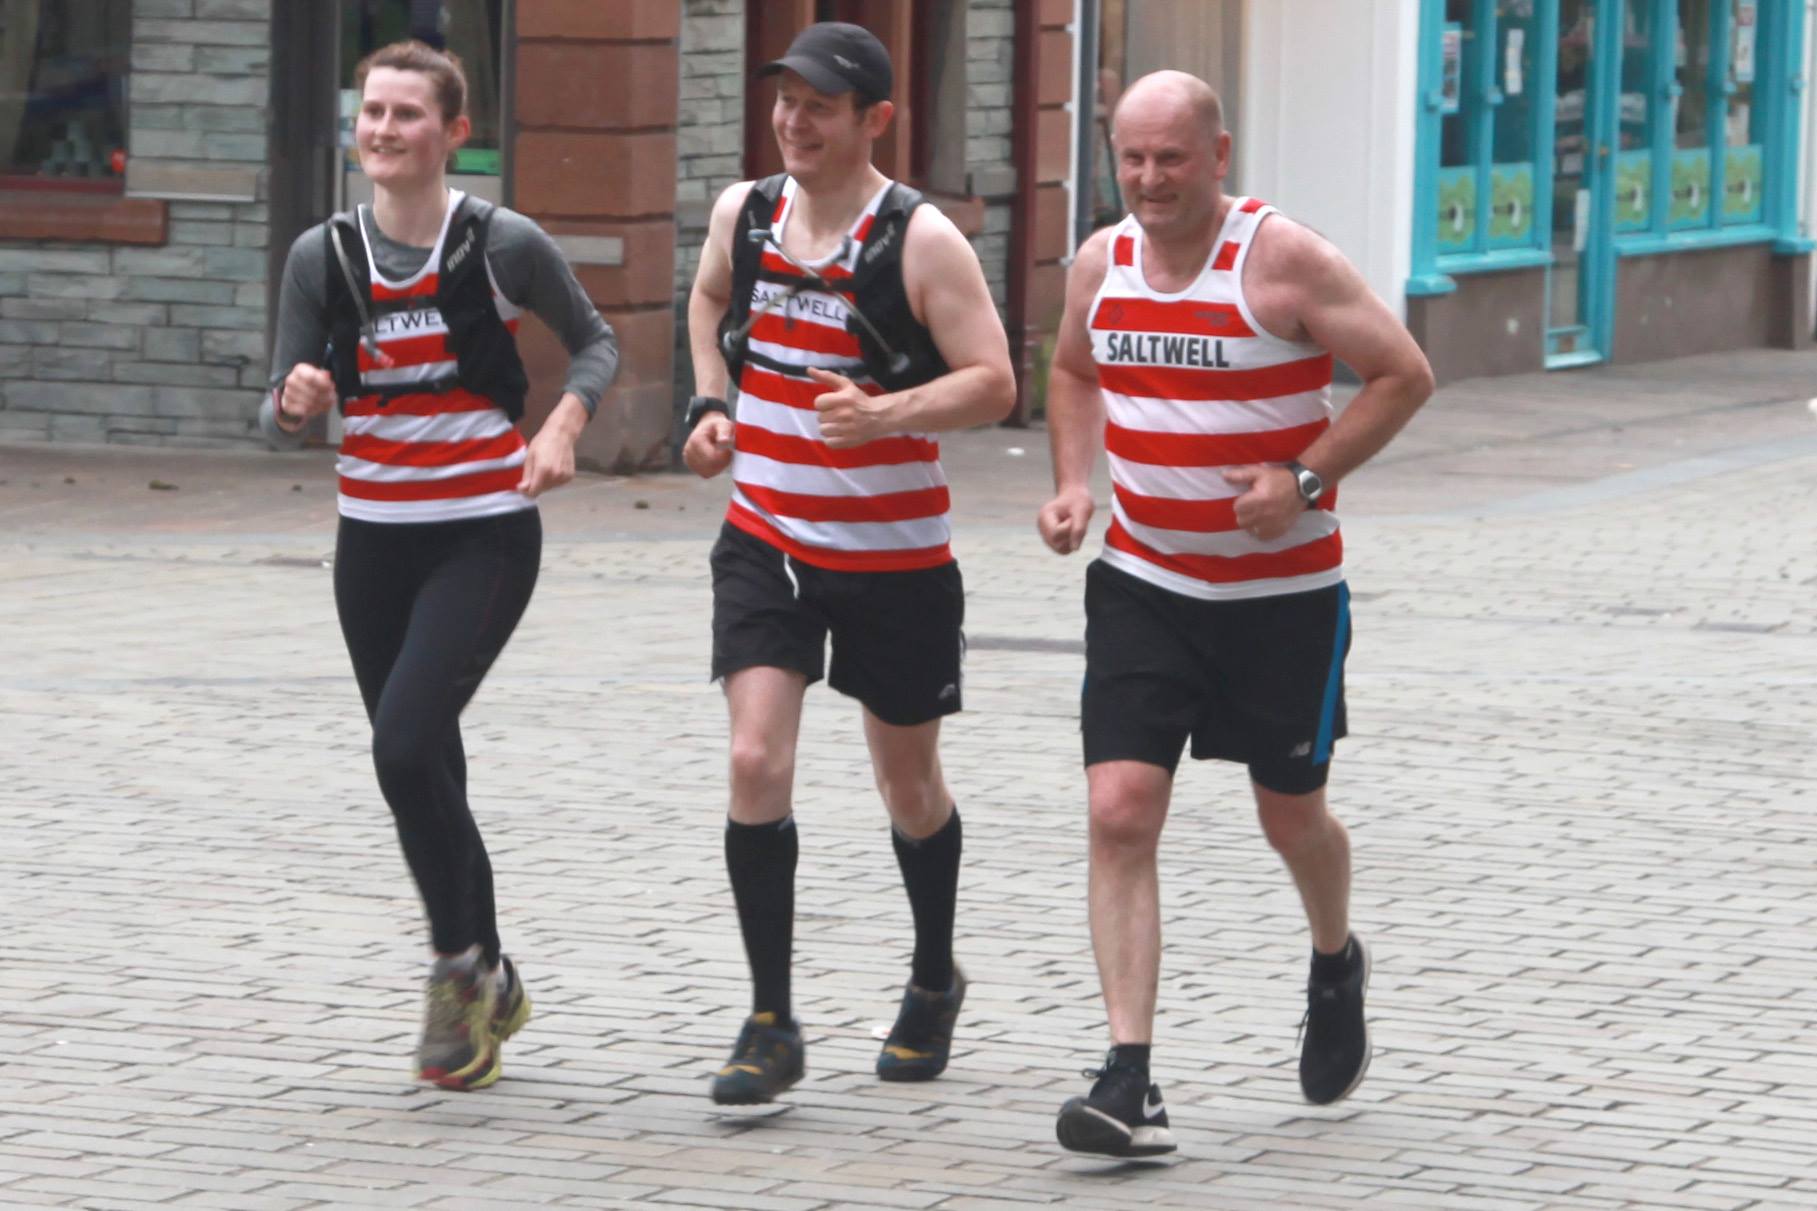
pixel 484 350
pixel 876 287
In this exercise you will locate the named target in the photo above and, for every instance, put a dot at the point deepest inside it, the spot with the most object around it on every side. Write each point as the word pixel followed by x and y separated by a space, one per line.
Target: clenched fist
pixel 306 391
pixel 1065 519
pixel 709 448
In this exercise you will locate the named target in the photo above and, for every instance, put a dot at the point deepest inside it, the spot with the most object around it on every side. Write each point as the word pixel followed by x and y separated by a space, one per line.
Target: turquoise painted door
pixel 1585 116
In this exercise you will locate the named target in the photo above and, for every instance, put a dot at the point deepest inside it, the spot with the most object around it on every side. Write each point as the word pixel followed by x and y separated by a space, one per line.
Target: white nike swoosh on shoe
pixel 1119 1124
pixel 1150 1109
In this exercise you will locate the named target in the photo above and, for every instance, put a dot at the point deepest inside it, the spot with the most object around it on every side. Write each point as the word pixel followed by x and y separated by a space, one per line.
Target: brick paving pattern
pixel 1578 785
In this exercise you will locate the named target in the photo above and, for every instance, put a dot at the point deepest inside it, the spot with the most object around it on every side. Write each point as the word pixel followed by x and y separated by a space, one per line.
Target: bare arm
pixel 1075 405
pixel 708 449
pixel 947 293
pixel 1303 288
pixel 712 293
pixel 1339 312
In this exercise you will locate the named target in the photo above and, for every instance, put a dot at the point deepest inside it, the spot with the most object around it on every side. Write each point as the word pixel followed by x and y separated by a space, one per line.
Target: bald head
pixel 1164 97
pixel 1172 155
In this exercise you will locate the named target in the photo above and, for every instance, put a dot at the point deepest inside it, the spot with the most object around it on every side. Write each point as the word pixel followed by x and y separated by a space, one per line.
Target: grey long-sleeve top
pixel 526 265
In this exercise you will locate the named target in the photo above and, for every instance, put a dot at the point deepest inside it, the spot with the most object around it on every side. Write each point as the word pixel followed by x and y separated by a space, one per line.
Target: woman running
pixel 403 314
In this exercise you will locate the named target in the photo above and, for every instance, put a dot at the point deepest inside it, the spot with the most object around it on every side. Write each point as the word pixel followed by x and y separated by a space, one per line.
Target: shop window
pixel 1681 131
pixel 1742 122
pixel 471 29
pixel 1489 128
pixel 1700 162
pixel 1643 107
pixel 63 73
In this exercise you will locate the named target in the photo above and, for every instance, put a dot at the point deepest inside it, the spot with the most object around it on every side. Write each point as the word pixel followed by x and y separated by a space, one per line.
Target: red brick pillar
pixel 1041 222
pixel 594 156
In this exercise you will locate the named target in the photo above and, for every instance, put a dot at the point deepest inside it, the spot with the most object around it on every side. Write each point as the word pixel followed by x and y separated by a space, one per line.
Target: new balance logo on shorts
pixel 1302 749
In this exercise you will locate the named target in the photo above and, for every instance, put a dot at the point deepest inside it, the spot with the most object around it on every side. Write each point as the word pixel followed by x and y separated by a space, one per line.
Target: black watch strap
pixel 700 405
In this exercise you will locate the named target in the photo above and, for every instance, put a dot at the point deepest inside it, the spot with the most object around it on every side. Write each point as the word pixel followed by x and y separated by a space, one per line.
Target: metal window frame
pixel 1779 89
pixel 1433 270
pixel 1779 85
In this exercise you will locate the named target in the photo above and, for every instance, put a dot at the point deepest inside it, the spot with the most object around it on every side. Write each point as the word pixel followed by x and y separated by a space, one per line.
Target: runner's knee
pixel 759 769
pixel 404 757
pixel 1125 822
pixel 918 801
pixel 1294 823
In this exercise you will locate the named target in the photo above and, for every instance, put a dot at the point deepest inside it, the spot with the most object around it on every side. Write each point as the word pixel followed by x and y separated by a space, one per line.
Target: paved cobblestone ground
pixel 1579 786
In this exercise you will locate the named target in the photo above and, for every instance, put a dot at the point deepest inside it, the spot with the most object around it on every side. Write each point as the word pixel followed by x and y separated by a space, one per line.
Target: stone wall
pixel 990 29
pixel 709 143
pixel 123 343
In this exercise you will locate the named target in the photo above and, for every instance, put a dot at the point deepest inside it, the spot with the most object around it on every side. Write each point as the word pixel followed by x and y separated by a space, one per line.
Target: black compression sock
pixel 760 858
pixel 1129 1055
pixel 930 873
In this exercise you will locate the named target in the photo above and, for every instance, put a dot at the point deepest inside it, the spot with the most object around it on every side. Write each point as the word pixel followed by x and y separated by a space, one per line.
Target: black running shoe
pixel 922 1037
pixel 1334 1047
pixel 1122 1116
pixel 766 1060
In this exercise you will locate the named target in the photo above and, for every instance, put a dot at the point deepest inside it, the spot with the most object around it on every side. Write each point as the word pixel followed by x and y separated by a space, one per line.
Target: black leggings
pixel 425 609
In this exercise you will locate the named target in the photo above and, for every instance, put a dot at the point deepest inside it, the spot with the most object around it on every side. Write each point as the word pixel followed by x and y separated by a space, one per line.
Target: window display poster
pixel 1451 68
pixel 1744 41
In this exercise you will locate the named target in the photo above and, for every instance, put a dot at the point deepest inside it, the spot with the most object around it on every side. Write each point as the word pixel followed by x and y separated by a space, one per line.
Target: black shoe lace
pixel 750 1048
pixel 1107 1070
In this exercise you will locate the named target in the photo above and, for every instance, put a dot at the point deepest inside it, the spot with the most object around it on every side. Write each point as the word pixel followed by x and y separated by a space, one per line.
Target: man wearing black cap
pixel 856 323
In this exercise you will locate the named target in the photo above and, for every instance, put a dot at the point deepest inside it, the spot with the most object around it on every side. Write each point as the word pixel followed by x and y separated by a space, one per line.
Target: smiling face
pixel 1171 161
pixel 402 136
pixel 824 137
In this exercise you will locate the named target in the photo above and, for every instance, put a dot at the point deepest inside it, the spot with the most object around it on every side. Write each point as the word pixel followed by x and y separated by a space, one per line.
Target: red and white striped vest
pixel 430 456
pixel 879 507
pixel 1193 384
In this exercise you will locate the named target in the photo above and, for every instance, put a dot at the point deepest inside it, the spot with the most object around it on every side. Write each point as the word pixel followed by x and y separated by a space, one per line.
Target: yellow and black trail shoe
pixel 767 1059
pixel 922 1037
pixel 513 1007
pixel 458 1049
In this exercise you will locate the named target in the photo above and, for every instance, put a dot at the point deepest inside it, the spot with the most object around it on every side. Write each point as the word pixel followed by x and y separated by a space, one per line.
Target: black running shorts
pixel 897 643
pixel 1258 680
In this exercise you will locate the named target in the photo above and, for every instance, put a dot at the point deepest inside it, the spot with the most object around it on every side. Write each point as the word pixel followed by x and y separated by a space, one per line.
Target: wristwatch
pixel 1307 480
pixel 699 406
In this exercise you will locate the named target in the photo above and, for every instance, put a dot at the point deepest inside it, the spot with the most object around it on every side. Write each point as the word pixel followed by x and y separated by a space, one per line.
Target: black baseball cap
pixel 836 57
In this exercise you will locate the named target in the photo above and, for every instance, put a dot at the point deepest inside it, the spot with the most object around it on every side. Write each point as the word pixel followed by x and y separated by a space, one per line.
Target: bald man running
pixel 1196 349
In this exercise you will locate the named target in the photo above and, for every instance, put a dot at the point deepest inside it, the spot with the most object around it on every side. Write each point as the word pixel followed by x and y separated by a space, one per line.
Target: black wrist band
pixel 700 405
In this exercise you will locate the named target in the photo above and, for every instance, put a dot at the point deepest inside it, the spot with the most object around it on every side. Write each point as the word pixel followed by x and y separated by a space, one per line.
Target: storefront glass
pixel 63 73
pixel 1647 125
pixel 471 29
pixel 1490 63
